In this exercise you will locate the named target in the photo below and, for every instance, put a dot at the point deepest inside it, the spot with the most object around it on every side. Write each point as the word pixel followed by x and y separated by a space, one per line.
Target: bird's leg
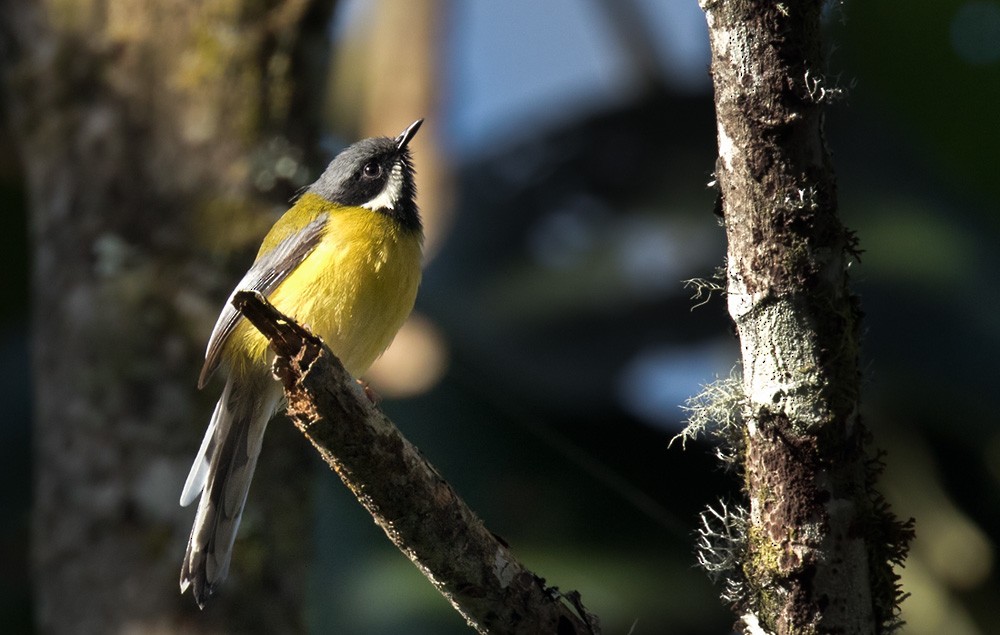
pixel 369 392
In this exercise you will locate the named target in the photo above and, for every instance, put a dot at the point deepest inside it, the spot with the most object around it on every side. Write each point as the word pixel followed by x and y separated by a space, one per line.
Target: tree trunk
pixel 152 133
pixel 818 540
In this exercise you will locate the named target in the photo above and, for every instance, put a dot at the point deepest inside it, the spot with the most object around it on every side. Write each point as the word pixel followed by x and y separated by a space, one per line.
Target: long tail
pixel 221 474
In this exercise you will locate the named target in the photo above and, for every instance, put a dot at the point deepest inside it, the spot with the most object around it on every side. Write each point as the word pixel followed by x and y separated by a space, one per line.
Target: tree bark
pixel 418 510
pixel 149 132
pixel 818 540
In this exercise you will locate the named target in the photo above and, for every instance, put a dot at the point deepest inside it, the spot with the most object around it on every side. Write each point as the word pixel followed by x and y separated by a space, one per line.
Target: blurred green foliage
pixel 931 71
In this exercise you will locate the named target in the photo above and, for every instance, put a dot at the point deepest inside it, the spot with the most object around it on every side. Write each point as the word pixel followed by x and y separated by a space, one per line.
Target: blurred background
pixel 564 169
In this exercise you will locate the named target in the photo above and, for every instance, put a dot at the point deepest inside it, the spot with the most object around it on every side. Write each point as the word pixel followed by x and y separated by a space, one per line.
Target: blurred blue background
pixel 573 143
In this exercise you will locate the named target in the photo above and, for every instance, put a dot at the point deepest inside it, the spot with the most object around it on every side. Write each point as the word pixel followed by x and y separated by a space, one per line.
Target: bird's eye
pixel 372 170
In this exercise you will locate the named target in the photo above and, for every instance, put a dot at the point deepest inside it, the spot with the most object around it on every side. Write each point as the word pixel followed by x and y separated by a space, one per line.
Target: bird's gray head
pixel 376 173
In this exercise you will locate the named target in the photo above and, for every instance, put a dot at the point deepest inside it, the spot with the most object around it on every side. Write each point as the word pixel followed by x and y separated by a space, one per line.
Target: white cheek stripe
pixel 389 195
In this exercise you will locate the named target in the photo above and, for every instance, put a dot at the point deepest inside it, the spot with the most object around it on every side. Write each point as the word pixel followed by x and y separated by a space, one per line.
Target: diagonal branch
pixel 418 510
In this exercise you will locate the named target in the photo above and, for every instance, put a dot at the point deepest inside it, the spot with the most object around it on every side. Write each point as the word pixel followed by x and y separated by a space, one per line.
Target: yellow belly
pixel 354 290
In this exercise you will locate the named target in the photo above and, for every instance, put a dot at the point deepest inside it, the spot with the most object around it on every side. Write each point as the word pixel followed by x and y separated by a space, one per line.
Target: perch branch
pixel 409 499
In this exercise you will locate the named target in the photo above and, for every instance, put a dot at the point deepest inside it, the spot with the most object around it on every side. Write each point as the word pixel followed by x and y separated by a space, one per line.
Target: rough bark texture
pixel 418 510
pixel 817 553
pixel 143 127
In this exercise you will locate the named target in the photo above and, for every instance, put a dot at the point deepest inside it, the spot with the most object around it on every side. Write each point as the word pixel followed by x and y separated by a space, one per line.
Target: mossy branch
pixel 817 543
pixel 406 496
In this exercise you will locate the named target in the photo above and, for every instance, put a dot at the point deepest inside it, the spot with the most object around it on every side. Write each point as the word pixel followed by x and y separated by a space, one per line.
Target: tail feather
pixel 222 473
pixel 198 475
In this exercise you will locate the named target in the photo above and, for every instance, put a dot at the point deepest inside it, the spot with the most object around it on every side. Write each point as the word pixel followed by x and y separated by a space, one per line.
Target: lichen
pixel 888 544
pixel 717 411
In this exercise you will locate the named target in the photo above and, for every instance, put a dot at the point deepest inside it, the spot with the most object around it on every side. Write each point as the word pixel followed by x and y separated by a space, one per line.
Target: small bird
pixel 345 260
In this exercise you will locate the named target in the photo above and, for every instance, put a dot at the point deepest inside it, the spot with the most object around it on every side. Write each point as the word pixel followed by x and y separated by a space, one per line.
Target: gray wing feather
pixel 269 271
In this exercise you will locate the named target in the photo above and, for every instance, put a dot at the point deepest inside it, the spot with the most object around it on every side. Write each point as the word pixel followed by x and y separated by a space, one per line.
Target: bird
pixel 345 260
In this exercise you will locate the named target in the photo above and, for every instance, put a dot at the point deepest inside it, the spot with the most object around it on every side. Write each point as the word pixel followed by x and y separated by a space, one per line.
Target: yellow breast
pixel 354 289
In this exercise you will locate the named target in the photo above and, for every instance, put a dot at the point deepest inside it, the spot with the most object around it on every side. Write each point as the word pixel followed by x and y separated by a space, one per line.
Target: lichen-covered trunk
pixel 816 558
pixel 144 128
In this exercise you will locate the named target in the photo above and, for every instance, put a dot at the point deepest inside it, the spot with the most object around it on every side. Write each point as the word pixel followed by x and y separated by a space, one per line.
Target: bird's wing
pixel 269 271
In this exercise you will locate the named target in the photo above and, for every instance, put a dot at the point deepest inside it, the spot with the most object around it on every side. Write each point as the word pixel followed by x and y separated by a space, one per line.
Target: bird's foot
pixel 369 392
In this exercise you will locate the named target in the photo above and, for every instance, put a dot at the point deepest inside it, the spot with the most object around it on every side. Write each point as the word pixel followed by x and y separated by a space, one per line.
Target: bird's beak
pixel 405 136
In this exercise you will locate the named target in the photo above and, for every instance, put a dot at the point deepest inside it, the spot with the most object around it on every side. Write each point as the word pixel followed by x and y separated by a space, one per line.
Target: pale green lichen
pixel 721 548
pixel 717 411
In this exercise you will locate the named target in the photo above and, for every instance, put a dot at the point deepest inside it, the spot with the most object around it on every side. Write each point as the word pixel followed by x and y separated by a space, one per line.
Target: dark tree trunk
pixel 143 129
pixel 817 551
